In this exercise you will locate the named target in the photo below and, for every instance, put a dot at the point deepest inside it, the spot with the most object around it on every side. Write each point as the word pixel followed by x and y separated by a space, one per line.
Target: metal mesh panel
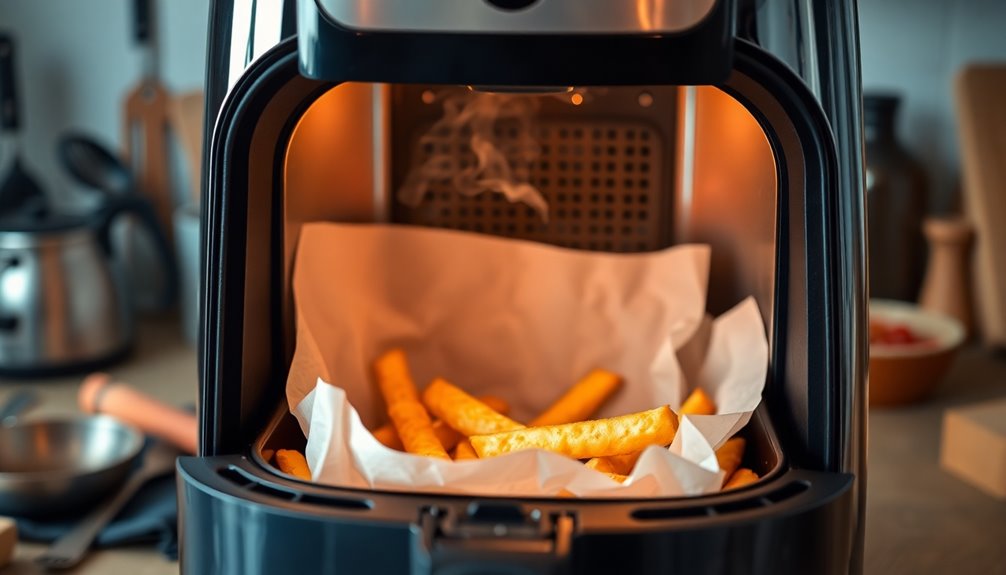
pixel 603 181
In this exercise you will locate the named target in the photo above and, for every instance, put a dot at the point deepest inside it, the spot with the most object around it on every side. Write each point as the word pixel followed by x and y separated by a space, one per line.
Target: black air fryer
pixel 734 123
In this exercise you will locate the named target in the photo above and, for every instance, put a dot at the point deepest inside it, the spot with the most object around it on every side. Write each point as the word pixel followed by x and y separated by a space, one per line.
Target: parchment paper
pixel 520 320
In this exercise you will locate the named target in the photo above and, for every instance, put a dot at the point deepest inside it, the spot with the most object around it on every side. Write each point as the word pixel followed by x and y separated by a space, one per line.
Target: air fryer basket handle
pixel 506 541
pixel 113 207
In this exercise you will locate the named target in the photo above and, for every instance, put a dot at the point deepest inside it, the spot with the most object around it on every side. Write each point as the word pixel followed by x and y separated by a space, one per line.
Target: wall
pixel 915 47
pixel 77 61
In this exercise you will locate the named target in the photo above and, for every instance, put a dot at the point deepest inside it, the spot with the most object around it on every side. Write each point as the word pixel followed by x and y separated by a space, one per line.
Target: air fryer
pixel 735 124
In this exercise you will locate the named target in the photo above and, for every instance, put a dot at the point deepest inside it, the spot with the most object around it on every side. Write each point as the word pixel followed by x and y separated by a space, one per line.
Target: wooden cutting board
pixel 981 114
pixel 187 124
pixel 145 125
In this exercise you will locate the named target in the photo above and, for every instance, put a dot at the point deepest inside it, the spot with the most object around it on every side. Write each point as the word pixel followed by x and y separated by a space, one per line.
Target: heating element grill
pixel 604 183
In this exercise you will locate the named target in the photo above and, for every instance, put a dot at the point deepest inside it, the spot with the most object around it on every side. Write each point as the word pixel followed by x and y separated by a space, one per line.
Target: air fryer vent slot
pixel 234 476
pixel 272 491
pixel 789 491
pixel 604 183
pixel 253 485
pixel 660 514
pixel 342 502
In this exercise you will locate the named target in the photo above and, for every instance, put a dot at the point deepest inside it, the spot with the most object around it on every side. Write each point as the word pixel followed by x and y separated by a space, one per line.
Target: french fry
pixel 740 478
pixel 730 454
pixel 407 414
pixel 464 451
pixel 414 427
pixel 267 455
pixel 620 478
pixel 463 412
pixel 602 464
pixel 394 379
pixel 292 462
pixel 586 439
pixel 582 400
pixel 387 435
pixel 698 403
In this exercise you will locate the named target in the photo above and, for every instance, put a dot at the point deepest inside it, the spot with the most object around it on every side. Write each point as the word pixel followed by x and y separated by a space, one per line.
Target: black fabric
pixel 151 517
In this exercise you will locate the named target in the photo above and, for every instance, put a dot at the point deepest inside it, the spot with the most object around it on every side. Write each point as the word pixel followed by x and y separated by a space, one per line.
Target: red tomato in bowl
pixel 895 334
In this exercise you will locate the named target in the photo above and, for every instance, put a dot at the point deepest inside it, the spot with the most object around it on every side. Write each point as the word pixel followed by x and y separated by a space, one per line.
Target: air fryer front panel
pixel 331 50
pixel 519 16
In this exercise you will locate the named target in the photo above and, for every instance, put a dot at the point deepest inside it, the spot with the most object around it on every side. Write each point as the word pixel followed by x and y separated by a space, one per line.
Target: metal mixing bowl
pixel 56 467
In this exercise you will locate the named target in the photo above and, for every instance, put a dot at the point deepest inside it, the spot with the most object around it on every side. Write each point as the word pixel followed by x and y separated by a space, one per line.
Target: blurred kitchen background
pixel 78 60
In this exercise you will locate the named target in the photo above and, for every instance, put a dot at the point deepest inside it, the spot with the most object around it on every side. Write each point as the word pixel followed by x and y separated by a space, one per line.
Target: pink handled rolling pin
pixel 98 394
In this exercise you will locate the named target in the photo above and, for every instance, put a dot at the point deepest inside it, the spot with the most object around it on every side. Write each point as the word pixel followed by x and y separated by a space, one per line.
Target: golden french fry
pixel 394 379
pixel 618 477
pixel 582 400
pixel 497 404
pixel 387 435
pixel 740 478
pixel 267 455
pixel 414 427
pixel 463 412
pixel 409 417
pixel 621 464
pixel 698 403
pixel 602 464
pixel 464 451
pixel 292 462
pixel 586 439
pixel 730 454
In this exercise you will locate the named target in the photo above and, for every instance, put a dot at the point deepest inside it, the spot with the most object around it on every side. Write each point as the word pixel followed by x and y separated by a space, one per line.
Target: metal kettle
pixel 63 300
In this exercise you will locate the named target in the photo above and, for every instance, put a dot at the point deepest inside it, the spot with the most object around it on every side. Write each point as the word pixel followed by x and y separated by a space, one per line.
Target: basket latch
pixel 491 537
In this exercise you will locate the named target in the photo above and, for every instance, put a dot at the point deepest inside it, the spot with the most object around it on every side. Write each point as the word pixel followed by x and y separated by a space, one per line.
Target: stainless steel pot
pixel 63 300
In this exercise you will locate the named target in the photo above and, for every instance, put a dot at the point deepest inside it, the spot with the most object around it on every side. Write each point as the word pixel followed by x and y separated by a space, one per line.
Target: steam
pixel 499 132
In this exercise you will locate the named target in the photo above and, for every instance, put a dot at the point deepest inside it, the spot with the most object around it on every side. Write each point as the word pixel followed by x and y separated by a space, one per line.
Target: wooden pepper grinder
pixel 946 288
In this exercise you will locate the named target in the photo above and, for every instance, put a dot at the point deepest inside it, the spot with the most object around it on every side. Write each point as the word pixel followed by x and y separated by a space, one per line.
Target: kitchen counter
pixel 919 519
pixel 163 365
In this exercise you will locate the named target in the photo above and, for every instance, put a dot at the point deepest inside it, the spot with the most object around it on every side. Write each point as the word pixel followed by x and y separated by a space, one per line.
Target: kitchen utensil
pixel 18 186
pixel 187 123
pixel 63 304
pixel 947 286
pixel 69 549
pixel 17 404
pixel 94 165
pixel 58 466
pixel 907 373
pixel 97 167
pixel 981 114
pixel 146 121
pixel 98 394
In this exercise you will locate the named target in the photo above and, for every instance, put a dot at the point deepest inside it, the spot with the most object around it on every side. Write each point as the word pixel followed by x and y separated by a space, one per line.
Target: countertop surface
pixel 919 518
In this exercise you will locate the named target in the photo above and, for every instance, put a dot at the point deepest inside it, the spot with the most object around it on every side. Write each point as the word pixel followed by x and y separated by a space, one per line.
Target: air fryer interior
pixel 623 169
